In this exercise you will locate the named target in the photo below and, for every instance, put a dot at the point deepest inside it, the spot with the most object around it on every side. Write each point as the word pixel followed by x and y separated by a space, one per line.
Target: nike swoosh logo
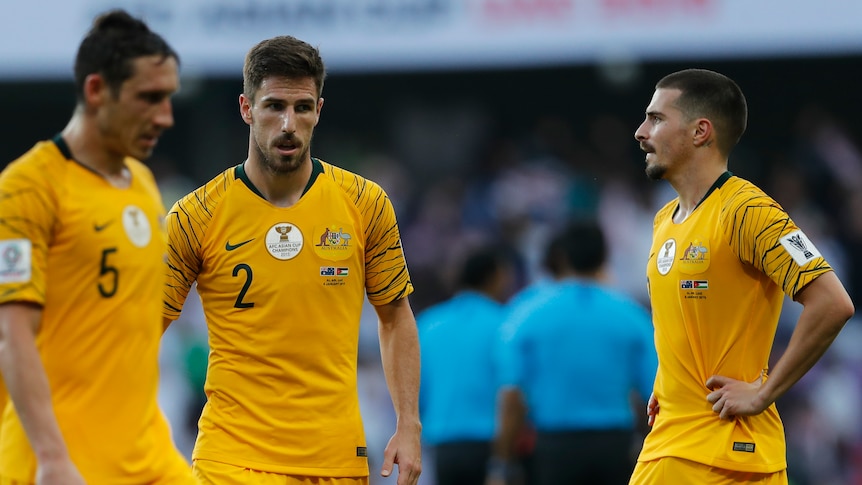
pixel 230 247
pixel 101 227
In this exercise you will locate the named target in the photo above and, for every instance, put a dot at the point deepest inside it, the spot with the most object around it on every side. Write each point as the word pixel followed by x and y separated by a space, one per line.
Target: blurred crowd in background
pixel 508 157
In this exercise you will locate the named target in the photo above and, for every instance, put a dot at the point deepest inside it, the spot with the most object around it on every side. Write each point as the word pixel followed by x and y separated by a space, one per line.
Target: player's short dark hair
pixel 114 41
pixel 708 94
pixel 580 247
pixel 282 56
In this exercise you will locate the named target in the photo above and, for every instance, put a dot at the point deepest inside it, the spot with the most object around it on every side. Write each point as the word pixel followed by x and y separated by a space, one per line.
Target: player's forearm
pixel 399 351
pixel 826 308
pixel 27 384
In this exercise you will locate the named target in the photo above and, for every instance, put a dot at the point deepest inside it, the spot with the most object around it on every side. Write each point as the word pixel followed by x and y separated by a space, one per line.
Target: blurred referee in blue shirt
pixel 458 337
pixel 573 355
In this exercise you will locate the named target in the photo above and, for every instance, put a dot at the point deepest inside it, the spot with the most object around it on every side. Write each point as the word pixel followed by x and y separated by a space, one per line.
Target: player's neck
pixel 693 185
pixel 282 189
pixel 88 148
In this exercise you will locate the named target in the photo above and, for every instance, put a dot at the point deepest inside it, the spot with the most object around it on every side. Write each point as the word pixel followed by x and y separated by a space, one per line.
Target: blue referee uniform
pixel 457 399
pixel 576 350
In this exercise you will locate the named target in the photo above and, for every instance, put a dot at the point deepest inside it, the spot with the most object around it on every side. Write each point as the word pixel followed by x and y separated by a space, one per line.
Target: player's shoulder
pixel 739 192
pixel 43 160
pixel 208 195
pixel 357 187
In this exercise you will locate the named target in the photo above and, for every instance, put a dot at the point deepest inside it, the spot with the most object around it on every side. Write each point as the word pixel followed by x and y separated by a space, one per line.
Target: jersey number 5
pixel 108 291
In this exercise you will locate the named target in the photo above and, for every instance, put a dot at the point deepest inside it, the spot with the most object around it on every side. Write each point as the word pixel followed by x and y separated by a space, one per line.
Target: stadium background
pixel 495 120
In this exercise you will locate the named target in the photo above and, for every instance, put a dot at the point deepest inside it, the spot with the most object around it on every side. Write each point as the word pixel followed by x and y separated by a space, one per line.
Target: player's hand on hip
pixel 652 409
pixel 731 397
pixel 405 450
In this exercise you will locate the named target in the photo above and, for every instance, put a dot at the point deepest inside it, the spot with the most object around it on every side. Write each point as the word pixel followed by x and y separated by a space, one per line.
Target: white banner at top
pixel 38 38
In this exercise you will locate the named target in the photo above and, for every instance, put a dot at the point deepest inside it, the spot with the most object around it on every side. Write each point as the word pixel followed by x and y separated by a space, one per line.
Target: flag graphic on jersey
pixel 694 284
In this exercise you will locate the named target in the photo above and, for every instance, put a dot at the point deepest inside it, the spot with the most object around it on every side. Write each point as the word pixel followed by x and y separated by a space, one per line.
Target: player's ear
pixel 95 90
pixel 703 132
pixel 319 109
pixel 245 109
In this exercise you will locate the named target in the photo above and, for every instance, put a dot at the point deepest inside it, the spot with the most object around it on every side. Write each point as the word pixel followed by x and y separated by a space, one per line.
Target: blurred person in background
pixel 458 392
pixel 82 237
pixel 574 351
pixel 723 253
pixel 285 248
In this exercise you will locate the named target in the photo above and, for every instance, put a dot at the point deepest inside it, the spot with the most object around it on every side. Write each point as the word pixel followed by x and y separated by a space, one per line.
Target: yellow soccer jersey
pixel 91 255
pixel 282 290
pixel 716 283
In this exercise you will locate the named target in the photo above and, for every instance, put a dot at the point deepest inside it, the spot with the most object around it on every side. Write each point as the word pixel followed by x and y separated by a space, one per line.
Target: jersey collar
pixel 239 172
pixel 717 185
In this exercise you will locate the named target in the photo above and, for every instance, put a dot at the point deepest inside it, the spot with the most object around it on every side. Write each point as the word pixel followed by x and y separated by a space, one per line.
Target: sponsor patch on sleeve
pixel 800 248
pixel 15 260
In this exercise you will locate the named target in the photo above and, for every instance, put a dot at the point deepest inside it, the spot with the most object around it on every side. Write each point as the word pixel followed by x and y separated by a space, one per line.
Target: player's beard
pixel 655 171
pixel 277 164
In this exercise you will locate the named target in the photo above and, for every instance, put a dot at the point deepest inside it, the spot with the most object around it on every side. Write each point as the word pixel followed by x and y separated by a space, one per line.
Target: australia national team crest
pixel 334 241
pixel 284 241
pixel 694 256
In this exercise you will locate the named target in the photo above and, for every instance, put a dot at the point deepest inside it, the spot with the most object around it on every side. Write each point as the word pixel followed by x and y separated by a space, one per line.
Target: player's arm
pixel 27 384
pixel 826 308
pixel 183 260
pixel 399 351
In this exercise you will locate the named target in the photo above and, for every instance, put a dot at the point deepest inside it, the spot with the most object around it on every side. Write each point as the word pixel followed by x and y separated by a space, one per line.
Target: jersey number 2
pixel 248 276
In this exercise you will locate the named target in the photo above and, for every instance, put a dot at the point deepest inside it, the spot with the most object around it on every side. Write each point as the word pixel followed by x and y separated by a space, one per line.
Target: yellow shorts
pixel 178 476
pixel 677 470
pixel 208 472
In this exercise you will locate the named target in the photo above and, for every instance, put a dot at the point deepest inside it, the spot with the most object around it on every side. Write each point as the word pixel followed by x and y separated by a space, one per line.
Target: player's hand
pixel 652 409
pixel 730 397
pixel 59 472
pixel 405 450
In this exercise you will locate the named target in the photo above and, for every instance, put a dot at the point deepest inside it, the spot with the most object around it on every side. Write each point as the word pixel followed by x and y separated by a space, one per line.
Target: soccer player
pixel 723 256
pixel 574 351
pixel 83 247
pixel 284 248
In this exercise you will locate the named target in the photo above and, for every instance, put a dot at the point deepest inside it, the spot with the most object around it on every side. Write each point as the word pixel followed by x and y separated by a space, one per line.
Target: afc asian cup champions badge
pixel 664 258
pixel 284 241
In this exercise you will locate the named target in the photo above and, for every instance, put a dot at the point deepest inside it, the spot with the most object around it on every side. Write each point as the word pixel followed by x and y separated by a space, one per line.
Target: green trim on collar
pixel 239 172
pixel 316 170
pixel 62 146
pixel 718 183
